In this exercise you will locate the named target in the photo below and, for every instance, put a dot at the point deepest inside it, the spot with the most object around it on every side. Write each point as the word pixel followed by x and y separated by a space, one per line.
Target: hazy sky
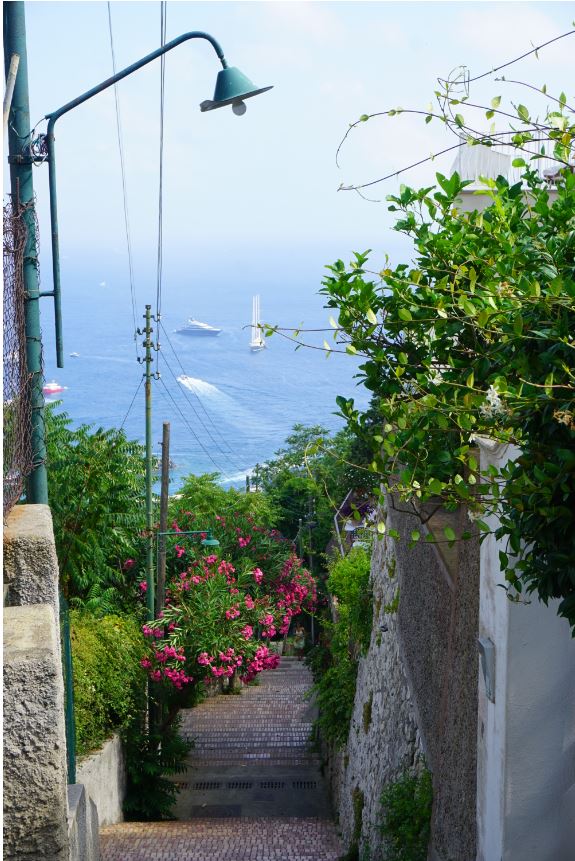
pixel 267 180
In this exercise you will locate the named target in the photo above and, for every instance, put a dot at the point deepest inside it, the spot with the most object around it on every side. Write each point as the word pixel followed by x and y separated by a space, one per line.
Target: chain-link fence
pixel 17 407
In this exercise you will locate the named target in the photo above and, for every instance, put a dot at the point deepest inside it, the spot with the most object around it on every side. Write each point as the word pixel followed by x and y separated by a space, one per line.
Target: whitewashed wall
pixel 526 736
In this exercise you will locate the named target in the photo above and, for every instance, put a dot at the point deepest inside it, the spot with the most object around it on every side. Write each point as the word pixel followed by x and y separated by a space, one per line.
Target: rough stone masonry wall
pixel 38 822
pixel 438 621
pixel 416 692
pixel 384 737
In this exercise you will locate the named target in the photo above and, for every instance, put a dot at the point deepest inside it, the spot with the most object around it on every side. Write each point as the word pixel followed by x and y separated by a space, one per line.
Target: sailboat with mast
pixel 258 341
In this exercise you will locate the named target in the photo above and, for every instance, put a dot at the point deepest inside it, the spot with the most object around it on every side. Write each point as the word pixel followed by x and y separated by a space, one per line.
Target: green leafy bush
pixel 407 817
pixel 334 661
pixel 109 683
pixel 96 488
pixel 348 581
pixel 150 794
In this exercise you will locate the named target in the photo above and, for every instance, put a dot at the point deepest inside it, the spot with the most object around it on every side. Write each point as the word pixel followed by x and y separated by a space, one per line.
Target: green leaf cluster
pixel 152 756
pixel 334 662
pixel 476 339
pixel 406 824
pixel 96 490
pixel 109 684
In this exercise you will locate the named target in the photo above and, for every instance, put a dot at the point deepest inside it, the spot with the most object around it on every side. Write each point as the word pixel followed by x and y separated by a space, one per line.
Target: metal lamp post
pixel 232 88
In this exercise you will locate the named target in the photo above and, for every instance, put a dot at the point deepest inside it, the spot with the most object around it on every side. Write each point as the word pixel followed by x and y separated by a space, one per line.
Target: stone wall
pixel 35 803
pixel 438 626
pixel 416 692
pixel 384 738
pixel 38 823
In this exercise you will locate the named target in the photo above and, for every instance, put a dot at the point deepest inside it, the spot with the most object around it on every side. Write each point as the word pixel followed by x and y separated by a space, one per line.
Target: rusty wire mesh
pixel 16 379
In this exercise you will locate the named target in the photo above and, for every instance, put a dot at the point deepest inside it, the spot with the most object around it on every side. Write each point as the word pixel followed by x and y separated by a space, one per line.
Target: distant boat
pixel 53 388
pixel 74 355
pixel 194 327
pixel 258 341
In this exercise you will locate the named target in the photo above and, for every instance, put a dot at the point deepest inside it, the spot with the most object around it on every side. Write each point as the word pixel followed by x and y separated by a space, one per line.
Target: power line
pixel 160 261
pixel 191 430
pixel 125 419
pixel 224 454
pixel 187 391
pixel 124 187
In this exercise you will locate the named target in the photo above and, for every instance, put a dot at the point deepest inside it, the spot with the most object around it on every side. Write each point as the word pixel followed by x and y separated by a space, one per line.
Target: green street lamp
pixel 232 88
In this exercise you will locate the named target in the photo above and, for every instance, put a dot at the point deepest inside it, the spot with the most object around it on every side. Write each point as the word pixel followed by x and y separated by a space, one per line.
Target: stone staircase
pixel 253 788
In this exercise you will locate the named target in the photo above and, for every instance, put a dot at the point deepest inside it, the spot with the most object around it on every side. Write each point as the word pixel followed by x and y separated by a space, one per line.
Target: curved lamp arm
pixel 52 118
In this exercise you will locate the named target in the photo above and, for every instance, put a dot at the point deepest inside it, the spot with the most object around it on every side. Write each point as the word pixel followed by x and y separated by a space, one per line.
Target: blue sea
pixel 233 408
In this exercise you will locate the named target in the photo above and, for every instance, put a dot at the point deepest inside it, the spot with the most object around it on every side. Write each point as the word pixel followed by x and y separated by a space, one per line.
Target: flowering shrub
pixel 220 611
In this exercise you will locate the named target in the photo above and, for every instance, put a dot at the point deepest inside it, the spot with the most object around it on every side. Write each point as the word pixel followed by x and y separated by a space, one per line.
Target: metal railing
pixel 67 670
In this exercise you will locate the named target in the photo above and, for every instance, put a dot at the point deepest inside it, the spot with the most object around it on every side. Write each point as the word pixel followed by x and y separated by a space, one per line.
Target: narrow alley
pixel 253 790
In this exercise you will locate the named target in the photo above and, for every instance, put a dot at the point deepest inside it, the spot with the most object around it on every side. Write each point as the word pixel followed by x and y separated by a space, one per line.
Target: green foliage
pixel 202 495
pixel 366 718
pixel 150 795
pixel 348 581
pixel 407 817
pixel 109 683
pixel 334 661
pixel 315 465
pixel 96 488
pixel 475 338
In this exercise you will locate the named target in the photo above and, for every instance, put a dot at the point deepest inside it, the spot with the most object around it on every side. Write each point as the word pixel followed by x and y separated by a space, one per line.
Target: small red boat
pixel 53 388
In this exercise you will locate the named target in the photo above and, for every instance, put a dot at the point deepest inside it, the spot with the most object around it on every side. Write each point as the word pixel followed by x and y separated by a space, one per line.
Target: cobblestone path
pixel 253 790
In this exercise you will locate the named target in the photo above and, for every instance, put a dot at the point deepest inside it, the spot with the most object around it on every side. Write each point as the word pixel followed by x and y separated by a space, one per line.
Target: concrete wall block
pixel 30 561
pixel 35 797
pixel 83 826
pixel 103 775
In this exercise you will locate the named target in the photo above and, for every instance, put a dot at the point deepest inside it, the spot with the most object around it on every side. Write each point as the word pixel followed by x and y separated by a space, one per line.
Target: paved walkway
pixel 253 790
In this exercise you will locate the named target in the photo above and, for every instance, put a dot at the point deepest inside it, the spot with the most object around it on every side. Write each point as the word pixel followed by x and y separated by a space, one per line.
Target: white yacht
pixel 258 341
pixel 194 327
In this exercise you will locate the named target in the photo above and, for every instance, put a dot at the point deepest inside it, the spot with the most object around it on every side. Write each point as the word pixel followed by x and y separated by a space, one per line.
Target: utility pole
pixel 311 525
pixel 22 191
pixel 9 92
pixel 161 590
pixel 148 359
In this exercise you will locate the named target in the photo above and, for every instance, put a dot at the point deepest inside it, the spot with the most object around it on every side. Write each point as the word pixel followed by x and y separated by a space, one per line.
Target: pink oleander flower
pixel 247 632
pixel 179 551
pixel 203 659
pixel 233 612
pixel 258 575
pixel 146 663
pixel 211 559
pixel 267 620
pixel 129 563
pixel 249 602
pixel 143 586
pixel 156 675
pixel 243 542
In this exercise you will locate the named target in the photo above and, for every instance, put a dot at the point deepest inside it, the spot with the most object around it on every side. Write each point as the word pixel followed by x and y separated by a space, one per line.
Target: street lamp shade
pixel 210 541
pixel 232 88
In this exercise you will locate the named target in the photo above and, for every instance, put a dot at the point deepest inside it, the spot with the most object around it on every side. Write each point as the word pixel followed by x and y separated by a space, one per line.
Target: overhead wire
pixel 186 392
pixel 124 185
pixel 192 431
pixel 199 400
pixel 160 254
